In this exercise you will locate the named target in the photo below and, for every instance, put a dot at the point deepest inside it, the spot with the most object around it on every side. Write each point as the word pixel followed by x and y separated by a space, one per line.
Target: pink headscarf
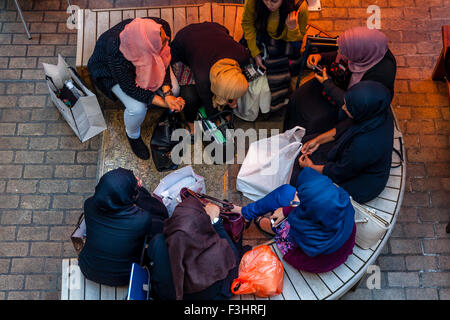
pixel 363 48
pixel 140 43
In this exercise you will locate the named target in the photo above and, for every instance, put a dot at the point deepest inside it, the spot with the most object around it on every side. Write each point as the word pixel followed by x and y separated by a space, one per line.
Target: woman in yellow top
pixel 273 32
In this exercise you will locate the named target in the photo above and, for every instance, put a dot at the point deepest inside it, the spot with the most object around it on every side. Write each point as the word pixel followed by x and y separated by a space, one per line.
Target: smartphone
pixel 260 70
pixel 318 69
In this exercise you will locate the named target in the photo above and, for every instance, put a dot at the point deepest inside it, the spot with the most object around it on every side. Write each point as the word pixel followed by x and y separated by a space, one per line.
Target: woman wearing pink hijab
pixel 316 105
pixel 131 61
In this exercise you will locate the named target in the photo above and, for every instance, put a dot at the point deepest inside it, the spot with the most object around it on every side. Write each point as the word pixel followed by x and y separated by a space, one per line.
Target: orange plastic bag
pixel 260 272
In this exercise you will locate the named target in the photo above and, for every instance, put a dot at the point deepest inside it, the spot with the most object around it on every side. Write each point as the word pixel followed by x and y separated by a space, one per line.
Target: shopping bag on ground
pixel 168 189
pixel 268 163
pixel 260 273
pixel 80 108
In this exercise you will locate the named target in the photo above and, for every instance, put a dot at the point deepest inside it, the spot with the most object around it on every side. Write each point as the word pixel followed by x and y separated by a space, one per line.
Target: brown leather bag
pixel 233 223
pixel 78 236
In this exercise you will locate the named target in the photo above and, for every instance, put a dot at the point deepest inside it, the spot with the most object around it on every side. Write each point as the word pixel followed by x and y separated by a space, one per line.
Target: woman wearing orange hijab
pixel 131 62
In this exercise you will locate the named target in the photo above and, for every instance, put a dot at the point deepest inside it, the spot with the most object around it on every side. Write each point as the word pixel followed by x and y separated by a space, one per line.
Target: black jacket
pixel 108 67
pixel 199 46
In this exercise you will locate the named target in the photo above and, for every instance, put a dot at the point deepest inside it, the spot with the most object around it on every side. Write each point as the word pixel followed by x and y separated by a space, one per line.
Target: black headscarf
pixel 368 102
pixel 116 191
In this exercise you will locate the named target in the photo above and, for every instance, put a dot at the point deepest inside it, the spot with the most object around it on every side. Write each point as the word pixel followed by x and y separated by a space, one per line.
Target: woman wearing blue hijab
pixel 356 154
pixel 118 217
pixel 319 232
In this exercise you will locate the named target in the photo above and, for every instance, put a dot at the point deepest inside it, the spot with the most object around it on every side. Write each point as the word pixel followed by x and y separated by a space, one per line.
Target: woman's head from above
pixel 117 190
pixel 145 43
pixel 362 47
pixel 264 8
pixel 366 100
pixel 228 83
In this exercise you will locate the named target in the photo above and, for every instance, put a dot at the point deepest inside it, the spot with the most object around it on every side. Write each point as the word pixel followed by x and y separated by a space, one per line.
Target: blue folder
pixel 139 286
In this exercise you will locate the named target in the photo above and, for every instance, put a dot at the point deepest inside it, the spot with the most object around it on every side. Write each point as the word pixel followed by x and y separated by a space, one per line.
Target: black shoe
pixel 139 148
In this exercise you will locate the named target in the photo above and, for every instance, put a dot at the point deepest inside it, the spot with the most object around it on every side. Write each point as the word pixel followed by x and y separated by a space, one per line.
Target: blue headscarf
pixel 368 102
pixel 116 191
pixel 324 220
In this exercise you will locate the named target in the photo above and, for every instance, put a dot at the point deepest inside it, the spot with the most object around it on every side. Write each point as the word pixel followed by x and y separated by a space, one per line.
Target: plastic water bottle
pixel 69 84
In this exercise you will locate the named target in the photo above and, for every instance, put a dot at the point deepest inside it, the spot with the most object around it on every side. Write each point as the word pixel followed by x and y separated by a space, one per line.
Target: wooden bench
pixel 297 285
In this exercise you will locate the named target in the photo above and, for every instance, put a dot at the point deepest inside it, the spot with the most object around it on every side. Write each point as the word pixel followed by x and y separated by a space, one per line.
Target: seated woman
pixel 319 233
pixel 194 258
pixel 278 26
pixel 316 105
pixel 216 61
pixel 118 218
pixel 357 153
pixel 131 62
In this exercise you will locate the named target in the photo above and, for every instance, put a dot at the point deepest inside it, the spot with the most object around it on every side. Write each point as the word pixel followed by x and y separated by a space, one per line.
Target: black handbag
pixel 161 143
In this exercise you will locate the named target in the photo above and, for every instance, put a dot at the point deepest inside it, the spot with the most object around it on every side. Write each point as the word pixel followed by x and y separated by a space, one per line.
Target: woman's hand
pixel 212 211
pixel 291 20
pixel 174 104
pixel 277 216
pixel 310 146
pixel 305 161
pixel 313 60
pixel 322 78
pixel 259 62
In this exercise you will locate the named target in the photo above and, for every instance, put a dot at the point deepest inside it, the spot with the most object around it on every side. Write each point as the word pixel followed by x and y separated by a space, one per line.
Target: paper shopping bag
pixel 85 117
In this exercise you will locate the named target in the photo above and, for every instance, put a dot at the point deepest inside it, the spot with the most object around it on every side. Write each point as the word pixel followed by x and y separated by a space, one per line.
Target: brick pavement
pixel 46 173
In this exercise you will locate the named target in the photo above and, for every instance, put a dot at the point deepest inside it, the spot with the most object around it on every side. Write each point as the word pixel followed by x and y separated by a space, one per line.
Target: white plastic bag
pixel 268 163
pixel 169 187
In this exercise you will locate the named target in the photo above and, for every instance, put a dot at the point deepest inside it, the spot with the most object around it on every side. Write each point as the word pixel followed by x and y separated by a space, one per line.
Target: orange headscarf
pixel 227 82
pixel 140 43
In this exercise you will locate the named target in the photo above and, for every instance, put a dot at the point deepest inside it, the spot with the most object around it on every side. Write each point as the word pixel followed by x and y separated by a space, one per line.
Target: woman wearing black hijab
pixel 118 217
pixel 357 153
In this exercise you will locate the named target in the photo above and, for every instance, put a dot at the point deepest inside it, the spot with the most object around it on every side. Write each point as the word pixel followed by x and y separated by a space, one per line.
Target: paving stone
pixel 422 263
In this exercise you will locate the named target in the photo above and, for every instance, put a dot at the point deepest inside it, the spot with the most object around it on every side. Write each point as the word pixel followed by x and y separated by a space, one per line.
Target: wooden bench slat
pixel 217 13
pixel 179 19
pixel 65 279
pixel 121 292
pixel 354 263
pixel 154 13
pixel 230 19
pixel 90 34
pixel 128 14
pixel 363 254
pixel 141 13
pixel 92 291
pixel 115 17
pixel 383 205
pixel 76 281
pixel 397 171
pixel 394 182
pixel 192 15
pixel 80 39
pixel 316 284
pixel 205 12
pixel 238 32
pixel 107 292
pixel 344 273
pixel 167 14
pixel 102 23
pixel 390 194
pixel 331 280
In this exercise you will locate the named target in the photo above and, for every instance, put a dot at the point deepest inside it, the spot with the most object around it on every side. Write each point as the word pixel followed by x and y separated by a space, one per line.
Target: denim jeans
pixel 280 197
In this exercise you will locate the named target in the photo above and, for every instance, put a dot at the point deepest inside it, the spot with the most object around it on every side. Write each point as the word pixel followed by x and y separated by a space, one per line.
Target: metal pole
pixel 21 18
